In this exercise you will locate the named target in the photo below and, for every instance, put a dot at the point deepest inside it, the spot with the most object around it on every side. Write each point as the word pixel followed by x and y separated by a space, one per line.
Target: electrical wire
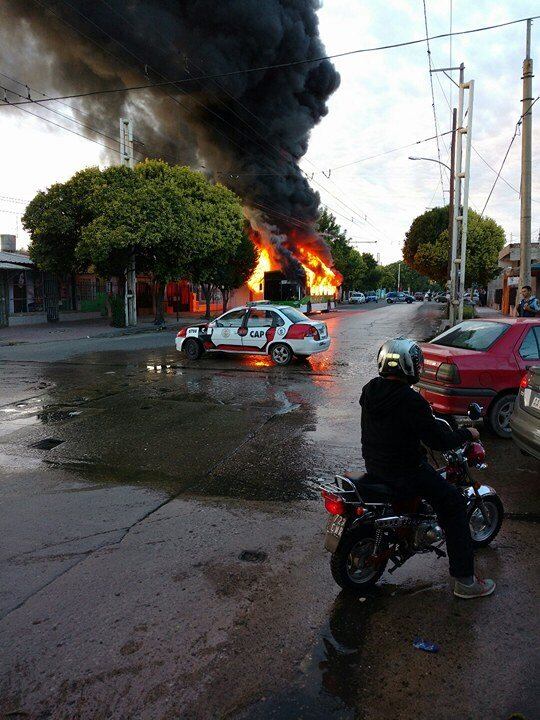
pixel 518 125
pixel 282 65
pixel 433 99
pixel 277 150
pixel 387 152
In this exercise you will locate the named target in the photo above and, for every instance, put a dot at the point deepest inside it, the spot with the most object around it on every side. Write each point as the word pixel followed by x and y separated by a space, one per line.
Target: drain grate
pixel 47 444
pixel 254 556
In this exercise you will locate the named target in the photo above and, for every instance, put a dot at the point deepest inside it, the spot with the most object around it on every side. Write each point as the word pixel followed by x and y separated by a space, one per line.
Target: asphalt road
pixel 162 544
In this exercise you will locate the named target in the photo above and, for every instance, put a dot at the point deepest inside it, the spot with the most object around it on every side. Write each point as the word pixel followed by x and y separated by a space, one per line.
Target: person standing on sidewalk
pixel 529 305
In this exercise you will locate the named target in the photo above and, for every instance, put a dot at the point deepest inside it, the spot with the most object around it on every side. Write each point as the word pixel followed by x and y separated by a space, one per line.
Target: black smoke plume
pixel 248 130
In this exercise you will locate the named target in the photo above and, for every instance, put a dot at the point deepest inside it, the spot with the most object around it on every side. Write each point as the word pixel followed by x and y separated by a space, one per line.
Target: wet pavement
pixel 162 544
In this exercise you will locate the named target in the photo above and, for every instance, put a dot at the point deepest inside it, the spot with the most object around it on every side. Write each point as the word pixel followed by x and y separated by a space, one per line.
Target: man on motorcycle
pixel 397 422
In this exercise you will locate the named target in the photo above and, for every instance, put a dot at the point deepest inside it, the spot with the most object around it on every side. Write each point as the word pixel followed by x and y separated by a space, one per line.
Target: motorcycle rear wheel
pixel 482 533
pixel 348 563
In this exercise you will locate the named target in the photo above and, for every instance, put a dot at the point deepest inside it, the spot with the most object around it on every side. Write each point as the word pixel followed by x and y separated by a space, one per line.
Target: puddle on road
pixel 330 680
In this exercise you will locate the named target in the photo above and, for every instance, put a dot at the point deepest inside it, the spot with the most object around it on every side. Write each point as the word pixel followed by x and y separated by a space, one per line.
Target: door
pixel 260 328
pixel 227 330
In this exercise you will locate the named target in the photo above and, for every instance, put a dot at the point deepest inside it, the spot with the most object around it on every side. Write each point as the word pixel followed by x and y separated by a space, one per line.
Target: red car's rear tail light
pixel 448 372
pixel 524 382
pixel 181 332
pixel 300 331
pixel 333 503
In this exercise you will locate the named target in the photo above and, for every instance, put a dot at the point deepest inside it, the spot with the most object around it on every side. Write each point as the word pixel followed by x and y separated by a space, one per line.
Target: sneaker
pixel 479 588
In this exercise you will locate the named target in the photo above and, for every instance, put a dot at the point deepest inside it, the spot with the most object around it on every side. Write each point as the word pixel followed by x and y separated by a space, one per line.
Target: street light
pixel 431 160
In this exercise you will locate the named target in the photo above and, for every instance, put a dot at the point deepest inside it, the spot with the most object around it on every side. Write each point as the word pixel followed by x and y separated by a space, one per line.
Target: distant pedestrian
pixel 529 305
pixel 483 297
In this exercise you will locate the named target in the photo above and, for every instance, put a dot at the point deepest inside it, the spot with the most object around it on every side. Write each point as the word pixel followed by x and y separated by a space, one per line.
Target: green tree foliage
pixel 427 246
pixel 360 270
pixel 55 219
pixel 171 219
pixel 237 268
pixel 409 278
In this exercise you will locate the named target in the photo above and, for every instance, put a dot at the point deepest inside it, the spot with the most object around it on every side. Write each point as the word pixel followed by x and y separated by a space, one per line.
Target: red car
pixel 480 361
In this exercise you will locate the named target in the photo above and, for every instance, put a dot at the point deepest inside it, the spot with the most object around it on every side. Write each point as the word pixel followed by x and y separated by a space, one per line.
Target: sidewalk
pixel 487 312
pixel 78 329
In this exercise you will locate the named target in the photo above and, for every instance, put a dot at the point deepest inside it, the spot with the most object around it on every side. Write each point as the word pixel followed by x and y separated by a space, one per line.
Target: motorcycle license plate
pixel 334 530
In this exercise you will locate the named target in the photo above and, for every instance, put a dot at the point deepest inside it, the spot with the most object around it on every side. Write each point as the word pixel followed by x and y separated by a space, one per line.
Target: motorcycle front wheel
pixel 482 532
pixel 351 564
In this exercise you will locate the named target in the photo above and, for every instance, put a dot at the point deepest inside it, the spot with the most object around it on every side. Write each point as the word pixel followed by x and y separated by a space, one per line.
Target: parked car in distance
pixel 371 296
pixel 398 297
pixel 258 328
pixel 357 298
pixel 525 420
pixel 480 361
pixel 419 296
pixel 442 297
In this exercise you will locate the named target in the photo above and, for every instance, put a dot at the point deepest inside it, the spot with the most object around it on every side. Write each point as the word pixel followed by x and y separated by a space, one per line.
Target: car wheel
pixel 499 415
pixel 281 354
pixel 193 349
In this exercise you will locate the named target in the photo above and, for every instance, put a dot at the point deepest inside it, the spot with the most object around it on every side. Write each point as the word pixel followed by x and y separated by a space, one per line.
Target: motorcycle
pixel 369 526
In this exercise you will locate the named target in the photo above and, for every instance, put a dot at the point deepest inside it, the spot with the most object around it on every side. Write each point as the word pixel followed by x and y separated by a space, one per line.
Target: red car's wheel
pixel 499 415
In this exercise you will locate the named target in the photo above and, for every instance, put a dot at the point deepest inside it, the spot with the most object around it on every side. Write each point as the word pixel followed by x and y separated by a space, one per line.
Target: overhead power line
pixel 387 152
pixel 518 124
pixel 278 66
pixel 430 67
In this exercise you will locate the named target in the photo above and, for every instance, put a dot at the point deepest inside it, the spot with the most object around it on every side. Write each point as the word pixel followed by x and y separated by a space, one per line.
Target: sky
pixel 383 102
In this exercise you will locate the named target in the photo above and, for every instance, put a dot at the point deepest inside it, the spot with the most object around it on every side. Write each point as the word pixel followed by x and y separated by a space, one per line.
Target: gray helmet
pixel 401 357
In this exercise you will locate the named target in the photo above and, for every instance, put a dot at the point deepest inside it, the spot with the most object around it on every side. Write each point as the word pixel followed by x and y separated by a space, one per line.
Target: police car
pixel 257 329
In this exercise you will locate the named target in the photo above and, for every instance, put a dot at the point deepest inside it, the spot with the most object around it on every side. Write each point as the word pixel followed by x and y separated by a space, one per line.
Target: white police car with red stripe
pixel 257 329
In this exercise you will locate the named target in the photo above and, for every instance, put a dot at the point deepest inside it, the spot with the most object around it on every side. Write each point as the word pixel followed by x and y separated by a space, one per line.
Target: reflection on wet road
pixel 163 539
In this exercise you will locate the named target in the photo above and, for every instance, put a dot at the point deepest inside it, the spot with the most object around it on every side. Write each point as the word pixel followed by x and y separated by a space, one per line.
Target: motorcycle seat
pixel 369 489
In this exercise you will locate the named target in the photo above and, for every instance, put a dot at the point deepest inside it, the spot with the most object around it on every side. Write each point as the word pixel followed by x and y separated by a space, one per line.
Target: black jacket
pixel 396 420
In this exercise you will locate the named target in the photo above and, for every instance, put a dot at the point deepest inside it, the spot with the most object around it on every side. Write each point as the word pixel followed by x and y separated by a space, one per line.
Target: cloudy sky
pixel 384 102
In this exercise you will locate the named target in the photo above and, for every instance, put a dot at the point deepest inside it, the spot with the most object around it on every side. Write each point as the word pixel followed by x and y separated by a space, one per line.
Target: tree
pixel 220 236
pixel 236 268
pixel 55 219
pixel 427 246
pixel 171 219
pixel 359 270
pixel 409 278
pixel 372 272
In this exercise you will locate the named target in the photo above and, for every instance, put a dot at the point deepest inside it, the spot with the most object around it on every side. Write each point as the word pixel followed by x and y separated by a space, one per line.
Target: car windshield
pixel 294 315
pixel 471 335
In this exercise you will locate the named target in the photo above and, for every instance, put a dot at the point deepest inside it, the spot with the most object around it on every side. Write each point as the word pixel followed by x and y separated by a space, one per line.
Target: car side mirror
pixel 475 411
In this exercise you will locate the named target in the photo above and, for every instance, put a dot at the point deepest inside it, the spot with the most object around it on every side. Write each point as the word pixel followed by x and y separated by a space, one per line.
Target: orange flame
pixel 321 278
pixel 264 264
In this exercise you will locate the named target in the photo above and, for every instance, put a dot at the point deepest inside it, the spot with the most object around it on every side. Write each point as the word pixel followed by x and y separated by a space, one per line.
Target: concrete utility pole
pixel 526 166
pixel 399 277
pixel 451 198
pixel 461 198
pixel 130 295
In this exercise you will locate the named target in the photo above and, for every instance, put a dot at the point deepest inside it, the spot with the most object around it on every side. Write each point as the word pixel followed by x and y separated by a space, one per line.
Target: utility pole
pixel 526 166
pixel 461 198
pixel 130 294
pixel 399 277
pixel 465 175
pixel 455 199
pixel 451 198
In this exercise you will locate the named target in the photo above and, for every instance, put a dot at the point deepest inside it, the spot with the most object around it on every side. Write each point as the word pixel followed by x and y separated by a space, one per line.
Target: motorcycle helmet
pixel 401 358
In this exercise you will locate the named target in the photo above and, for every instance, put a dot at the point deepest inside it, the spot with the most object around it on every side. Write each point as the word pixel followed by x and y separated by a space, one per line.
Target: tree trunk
pixel 159 294
pixel 225 294
pixel 207 292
